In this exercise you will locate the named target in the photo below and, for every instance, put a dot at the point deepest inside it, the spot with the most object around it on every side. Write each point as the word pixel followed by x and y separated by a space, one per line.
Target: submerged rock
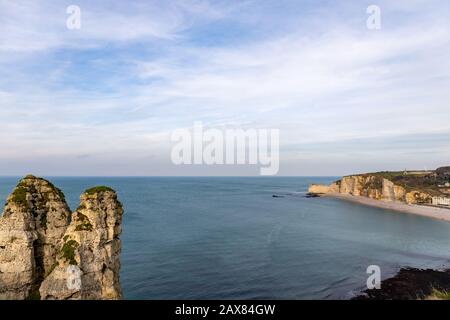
pixel 312 195
pixel 47 252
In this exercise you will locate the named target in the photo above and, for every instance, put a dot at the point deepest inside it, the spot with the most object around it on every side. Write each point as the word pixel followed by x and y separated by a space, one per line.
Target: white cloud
pixel 41 25
pixel 326 85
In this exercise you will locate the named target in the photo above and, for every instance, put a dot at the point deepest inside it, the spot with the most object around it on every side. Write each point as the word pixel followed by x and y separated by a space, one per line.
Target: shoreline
pixel 425 211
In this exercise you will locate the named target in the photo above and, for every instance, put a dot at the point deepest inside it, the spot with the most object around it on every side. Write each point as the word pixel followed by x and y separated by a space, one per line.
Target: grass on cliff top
pixel 439 295
pixel 51 185
pixel 98 189
pixel 19 195
pixel 386 174
pixel 411 180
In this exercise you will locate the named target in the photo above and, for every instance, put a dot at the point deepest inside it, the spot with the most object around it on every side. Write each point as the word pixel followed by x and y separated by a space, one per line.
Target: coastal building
pixel 441 201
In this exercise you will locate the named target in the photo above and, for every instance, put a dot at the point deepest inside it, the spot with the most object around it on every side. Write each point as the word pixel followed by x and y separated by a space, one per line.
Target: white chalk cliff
pixel 47 252
pixel 411 188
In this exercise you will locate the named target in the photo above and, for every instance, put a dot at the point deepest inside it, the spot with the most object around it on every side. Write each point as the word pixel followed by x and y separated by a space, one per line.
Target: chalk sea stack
pixel 49 252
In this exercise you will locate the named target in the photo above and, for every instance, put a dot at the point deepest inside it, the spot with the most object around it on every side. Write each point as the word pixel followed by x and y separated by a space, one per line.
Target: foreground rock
pixel 410 284
pixel 48 252
pixel 34 220
pixel 91 246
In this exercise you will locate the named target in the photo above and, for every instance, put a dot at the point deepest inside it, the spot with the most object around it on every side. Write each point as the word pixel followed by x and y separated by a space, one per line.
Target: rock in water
pixel 17 265
pixel 50 253
pixel 89 261
pixel 34 220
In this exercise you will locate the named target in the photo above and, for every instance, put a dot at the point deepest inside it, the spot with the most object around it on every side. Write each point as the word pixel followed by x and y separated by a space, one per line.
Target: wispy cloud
pixel 117 87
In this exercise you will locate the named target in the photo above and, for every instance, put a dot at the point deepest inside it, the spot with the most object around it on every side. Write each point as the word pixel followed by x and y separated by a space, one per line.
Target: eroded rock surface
pixel 92 244
pixel 50 253
pixel 416 187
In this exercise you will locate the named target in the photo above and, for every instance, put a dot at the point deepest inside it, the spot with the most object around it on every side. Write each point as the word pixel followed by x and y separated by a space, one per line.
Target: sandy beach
pixel 426 211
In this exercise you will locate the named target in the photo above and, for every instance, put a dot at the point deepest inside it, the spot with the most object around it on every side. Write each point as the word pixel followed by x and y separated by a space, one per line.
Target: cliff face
pixel 376 187
pixel 34 220
pixel 48 252
pixel 322 189
pixel 90 251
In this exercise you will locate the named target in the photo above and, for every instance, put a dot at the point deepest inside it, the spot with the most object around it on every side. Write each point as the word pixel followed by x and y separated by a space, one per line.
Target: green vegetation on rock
pixel 68 251
pixel 83 223
pixel 25 186
pixel 411 180
pixel 376 182
pixel 439 295
pixel 19 195
pixel 44 220
pixel 98 189
pixel 34 295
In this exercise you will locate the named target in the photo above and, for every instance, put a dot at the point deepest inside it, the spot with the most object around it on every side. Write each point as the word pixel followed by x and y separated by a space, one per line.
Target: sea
pixel 255 238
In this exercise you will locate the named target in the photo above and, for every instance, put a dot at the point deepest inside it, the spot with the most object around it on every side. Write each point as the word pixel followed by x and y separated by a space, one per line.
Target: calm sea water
pixel 228 238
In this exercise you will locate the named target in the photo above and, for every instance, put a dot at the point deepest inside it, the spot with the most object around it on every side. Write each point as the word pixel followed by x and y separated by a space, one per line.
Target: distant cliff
pixel 412 187
pixel 48 252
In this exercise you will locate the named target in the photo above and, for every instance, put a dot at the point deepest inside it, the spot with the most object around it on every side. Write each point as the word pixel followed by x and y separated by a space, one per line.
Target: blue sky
pixel 104 99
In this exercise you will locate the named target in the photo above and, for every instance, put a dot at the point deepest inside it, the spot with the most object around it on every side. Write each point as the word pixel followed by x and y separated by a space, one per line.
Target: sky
pixel 104 99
